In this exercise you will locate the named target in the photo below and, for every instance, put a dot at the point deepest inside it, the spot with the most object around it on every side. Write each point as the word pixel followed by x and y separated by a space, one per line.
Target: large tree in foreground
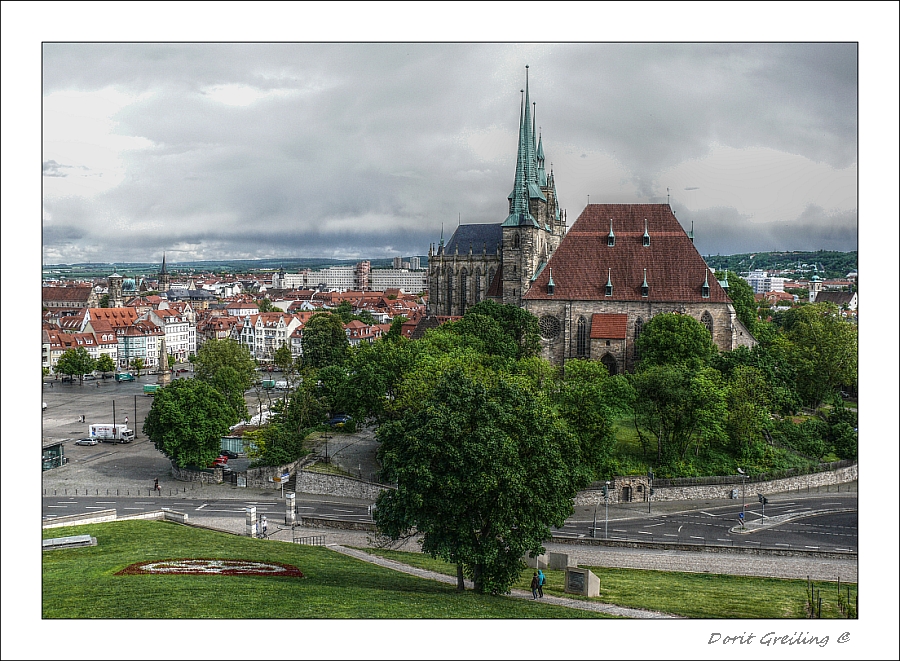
pixel 324 341
pixel 482 474
pixel 187 421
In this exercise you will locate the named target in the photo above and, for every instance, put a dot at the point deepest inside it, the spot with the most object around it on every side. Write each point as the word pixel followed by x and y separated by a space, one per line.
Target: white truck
pixel 112 433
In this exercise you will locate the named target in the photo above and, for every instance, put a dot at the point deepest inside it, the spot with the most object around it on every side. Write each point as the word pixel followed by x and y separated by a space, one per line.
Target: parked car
pixel 339 420
pixel 229 454
pixel 88 377
pixel 124 376
pixel 219 462
pixel 86 441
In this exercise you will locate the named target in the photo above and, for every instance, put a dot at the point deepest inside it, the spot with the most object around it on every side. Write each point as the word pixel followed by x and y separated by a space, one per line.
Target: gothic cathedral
pixel 593 287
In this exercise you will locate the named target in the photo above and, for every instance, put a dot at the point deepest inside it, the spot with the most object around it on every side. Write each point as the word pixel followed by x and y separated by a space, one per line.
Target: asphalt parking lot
pixel 133 467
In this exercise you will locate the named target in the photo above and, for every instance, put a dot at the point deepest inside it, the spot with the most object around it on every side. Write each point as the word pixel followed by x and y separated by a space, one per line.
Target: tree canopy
pixel 228 367
pixel 76 361
pixel 324 341
pixel 187 420
pixel 674 339
pixel 105 363
pixel 516 322
pixel 482 474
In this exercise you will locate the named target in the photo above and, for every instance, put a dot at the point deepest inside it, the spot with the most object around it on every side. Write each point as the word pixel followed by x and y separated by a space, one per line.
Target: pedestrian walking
pixel 265 526
pixel 535 583
pixel 156 486
pixel 541 580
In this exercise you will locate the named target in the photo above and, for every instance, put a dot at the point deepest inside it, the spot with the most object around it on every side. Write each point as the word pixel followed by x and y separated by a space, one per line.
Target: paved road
pixel 824 521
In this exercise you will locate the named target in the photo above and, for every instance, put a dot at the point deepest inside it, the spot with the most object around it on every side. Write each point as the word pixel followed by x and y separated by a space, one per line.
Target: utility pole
pixel 649 488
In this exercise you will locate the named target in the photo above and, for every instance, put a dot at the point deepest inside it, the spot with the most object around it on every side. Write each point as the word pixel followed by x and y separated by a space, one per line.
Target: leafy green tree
pixel 187 421
pixel 396 330
pixel 45 371
pixel 345 311
pixel 104 301
pixel 482 474
pixel 76 361
pixel 678 408
pixel 106 364
pixel 284 360
pixel 778 374
pixel 741 294
pixel 324 341
pixel 265 305
pixel 171 361
pixel 516 322
pixel 674 339
pixel 230 385
pixel 842 426
pixel 215 355
pixel 137 364
pixel 822 348
pixel 587 402
pixel 747 400
pixel 485 333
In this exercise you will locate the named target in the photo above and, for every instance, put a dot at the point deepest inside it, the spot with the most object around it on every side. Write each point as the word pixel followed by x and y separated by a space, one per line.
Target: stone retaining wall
pixel 714 491
pixel 105 516
pixel 261 477
pixel 325 484
pixel 699 548
pixel 209 476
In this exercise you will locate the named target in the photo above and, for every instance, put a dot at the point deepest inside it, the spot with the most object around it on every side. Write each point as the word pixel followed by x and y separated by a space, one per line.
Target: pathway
pixel 618 611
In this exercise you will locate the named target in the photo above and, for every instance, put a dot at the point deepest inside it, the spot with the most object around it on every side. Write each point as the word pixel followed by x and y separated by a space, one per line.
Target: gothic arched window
pixel 638 328
pixel 515 241
pixel 463 290
pixel 450 293
pixel 707 320
pixel 478 285
pixel 581 348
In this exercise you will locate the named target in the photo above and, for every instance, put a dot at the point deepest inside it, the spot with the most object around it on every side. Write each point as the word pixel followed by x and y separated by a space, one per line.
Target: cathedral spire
pixel 525 185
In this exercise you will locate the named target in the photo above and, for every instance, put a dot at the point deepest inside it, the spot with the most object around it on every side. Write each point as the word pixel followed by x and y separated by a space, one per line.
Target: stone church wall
pixel 726 334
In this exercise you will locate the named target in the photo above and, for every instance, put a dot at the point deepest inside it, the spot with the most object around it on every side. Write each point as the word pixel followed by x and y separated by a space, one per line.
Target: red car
pixel 220 462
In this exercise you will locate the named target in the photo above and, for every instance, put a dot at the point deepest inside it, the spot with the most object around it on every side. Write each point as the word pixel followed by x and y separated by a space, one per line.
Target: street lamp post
pixel 649 489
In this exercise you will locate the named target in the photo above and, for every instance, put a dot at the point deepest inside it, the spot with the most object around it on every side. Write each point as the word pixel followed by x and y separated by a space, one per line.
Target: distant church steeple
pixel 163 276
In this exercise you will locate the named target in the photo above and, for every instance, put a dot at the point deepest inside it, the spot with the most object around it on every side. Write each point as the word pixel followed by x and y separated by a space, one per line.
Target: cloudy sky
pixel 245 150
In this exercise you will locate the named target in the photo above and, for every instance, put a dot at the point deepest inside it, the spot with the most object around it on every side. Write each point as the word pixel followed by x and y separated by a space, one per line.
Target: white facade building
pixel 403 279
pixel 762 282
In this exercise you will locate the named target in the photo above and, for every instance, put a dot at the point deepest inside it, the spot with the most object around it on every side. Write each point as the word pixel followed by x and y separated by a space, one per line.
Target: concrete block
pixel 558 560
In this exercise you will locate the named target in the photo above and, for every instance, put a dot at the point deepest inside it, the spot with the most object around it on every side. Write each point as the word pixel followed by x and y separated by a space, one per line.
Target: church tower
pixel 116 297
pixel 163 277
pixel 534 226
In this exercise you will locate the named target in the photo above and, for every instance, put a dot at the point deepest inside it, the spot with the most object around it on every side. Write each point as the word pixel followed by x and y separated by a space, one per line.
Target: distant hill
pixel 101 270
pixel 827 263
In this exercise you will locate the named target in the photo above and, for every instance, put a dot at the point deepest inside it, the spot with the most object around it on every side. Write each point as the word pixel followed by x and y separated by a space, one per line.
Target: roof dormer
pixel 611 238
pixel 645 240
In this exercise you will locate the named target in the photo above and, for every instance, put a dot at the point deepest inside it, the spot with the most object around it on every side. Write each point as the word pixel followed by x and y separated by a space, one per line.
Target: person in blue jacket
pixel 541 580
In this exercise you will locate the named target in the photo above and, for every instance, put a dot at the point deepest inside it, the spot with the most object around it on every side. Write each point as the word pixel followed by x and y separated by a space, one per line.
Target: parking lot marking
pixel 202 506
pixel 133 508
pixel 695 537
pixel 614 530
pixel 707 513
pixel 812 547
pixel 652 525
pixel 57 505
pixel 669 535
pixel 93 507
pixel 105 502
pixel 644 532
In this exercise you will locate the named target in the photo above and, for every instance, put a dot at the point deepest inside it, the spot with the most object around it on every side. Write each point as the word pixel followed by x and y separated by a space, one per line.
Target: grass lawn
pixel 82 582
pixel 708 596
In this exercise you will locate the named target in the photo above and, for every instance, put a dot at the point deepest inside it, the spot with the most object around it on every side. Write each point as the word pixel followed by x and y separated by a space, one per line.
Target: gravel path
pixel 610 609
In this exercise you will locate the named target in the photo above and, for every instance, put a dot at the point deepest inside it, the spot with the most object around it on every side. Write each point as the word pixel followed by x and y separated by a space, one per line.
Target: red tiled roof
pixel 583 261
pixel 608 326
pixel 68 294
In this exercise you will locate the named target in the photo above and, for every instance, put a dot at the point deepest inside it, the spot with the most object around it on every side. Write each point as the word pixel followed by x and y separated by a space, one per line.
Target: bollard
pixel 289 516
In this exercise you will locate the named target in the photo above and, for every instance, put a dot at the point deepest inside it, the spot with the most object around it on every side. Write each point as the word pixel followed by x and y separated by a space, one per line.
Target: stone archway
pixel 611 363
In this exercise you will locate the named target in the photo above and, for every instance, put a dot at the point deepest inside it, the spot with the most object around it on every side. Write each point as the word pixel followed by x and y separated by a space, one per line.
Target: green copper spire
pixel 525 185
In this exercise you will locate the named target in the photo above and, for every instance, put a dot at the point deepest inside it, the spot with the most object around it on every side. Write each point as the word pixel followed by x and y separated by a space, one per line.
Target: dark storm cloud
pixel 370 148
pixel 717 231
